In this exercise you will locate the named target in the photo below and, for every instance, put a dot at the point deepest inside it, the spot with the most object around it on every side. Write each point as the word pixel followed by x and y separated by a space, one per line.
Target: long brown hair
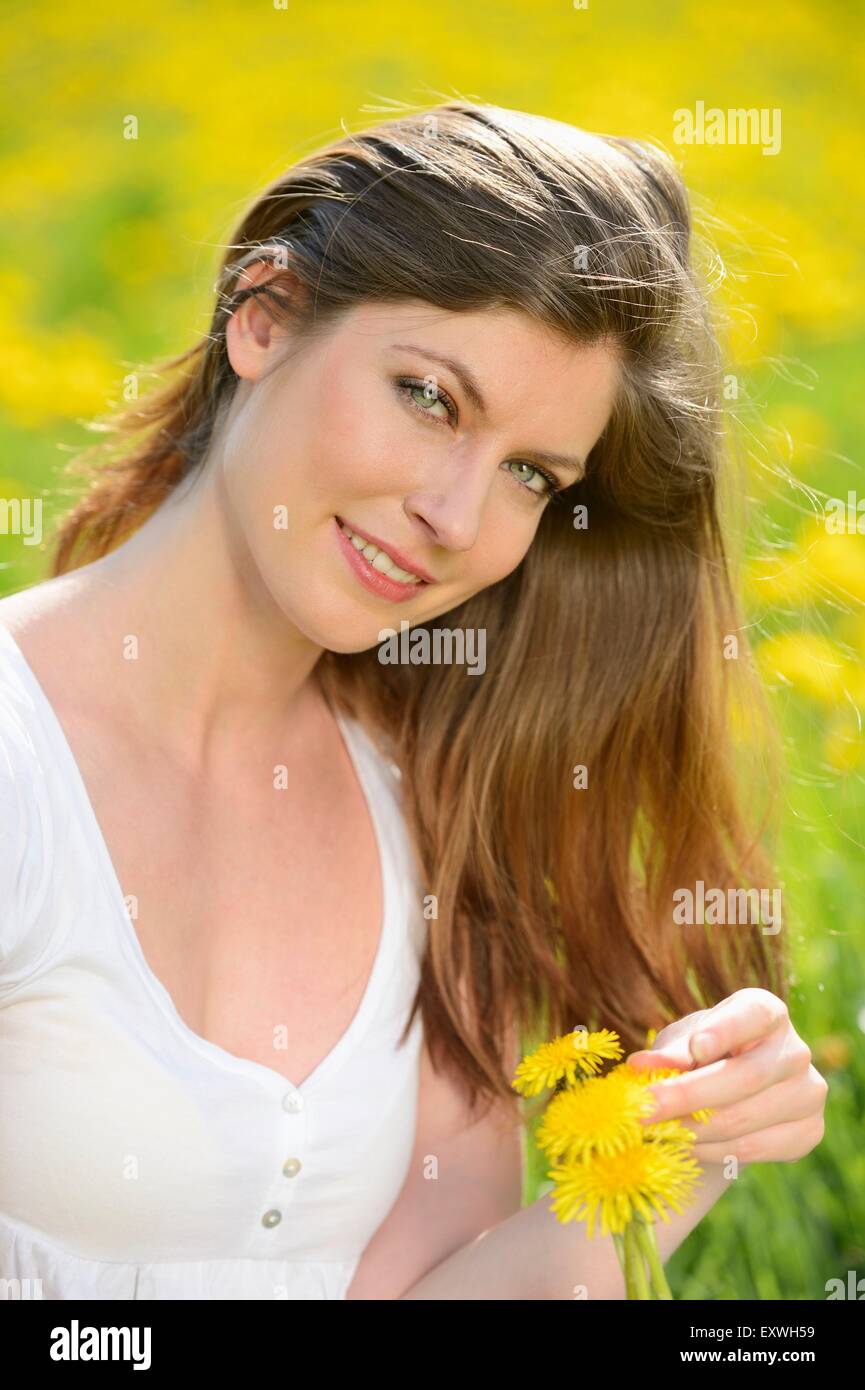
pixel 609 644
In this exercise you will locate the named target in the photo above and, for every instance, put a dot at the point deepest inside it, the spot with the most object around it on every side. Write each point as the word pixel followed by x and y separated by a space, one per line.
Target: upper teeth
pixel 379 560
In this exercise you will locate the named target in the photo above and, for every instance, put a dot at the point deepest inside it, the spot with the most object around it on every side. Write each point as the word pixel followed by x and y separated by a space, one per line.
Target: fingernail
pixel 701 1047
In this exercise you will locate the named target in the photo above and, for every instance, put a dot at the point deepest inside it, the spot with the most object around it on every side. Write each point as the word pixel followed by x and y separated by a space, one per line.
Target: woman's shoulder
pixel 42 620
pixel 18 712
pixel 26 836
pixel 26 624
pixel 46 657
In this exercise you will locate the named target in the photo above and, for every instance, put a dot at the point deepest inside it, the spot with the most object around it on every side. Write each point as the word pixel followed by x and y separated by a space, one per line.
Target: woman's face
pixel 423 431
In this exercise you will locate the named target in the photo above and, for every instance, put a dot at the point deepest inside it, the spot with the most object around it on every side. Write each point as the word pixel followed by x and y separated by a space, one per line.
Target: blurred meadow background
pixel 109 253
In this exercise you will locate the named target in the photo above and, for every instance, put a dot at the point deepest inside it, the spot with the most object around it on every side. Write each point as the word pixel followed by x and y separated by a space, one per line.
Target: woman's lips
pixel 373 579
pixel 405 562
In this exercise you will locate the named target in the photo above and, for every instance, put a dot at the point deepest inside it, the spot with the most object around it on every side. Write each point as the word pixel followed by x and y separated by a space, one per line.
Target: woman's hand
pixel 754 1072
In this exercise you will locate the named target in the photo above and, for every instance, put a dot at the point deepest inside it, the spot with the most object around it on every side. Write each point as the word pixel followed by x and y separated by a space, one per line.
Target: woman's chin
pixel 347 636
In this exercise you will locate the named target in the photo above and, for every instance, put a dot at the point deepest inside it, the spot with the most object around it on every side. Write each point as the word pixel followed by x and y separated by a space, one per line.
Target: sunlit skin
pixel 755 1073
pixel 336 432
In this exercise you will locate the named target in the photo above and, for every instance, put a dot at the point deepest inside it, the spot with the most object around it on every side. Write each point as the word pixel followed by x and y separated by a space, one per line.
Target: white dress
pixel 137 1159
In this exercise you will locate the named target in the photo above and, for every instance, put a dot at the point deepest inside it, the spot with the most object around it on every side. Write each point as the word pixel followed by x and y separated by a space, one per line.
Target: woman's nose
pixel 450 505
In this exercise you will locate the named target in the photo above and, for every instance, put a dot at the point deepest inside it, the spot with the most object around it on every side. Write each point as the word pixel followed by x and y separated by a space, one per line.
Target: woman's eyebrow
pixel 459 369
pixel 470 385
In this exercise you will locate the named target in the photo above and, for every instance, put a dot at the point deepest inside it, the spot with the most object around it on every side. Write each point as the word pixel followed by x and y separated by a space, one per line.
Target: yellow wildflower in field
pixel 807 661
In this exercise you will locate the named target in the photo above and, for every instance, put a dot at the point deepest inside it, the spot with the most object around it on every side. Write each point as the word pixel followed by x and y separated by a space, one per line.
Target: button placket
pixel 293 1137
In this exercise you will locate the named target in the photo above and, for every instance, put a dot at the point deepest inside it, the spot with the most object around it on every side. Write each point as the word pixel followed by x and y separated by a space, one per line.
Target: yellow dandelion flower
pixel 833 1051
pixel 653 1074
pixel 671 1132
pixel 600 1116
pixel 635 1182
pixel 807 661
pixel 561 1058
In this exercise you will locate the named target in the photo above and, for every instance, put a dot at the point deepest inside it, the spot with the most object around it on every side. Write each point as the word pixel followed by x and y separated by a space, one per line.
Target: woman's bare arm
pixel 464 1177
pixel 457 1231
pixel 531 1255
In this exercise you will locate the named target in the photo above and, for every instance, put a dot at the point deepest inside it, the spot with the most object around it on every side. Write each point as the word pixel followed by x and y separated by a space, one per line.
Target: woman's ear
pixel 254 335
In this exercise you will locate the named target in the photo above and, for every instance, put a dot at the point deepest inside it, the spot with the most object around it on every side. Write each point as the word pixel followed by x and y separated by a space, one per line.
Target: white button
pixel 291 1167
pixel 271 1218
pixel 292 1101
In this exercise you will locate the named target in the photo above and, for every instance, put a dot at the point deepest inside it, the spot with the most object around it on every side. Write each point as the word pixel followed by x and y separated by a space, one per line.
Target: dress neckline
pixel 361 753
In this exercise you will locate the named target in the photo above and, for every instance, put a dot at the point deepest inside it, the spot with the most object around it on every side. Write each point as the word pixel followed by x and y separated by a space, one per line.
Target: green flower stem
pixel 623 1250
pixel 619 1244
pixel 645 1235
pixel 634 1256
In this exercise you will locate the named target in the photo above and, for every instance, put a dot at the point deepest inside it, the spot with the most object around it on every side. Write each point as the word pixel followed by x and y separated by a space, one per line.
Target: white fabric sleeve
pixel 23 828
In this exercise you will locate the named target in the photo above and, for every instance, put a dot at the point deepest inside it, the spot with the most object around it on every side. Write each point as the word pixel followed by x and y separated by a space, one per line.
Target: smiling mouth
pixel 379 559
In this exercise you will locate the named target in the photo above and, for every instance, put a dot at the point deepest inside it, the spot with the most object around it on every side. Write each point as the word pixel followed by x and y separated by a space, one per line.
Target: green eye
pixel 427 399
pixel 410 387
pixel 550 489
pixel 549 484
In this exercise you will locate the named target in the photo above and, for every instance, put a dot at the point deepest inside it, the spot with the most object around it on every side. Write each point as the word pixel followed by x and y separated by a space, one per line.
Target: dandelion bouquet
pixel 606 1162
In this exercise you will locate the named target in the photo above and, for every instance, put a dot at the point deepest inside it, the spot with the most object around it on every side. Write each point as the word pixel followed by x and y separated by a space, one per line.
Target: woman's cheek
pixel 358 456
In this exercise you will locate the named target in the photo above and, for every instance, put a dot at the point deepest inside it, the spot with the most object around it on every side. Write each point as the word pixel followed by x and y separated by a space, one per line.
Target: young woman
pixel 278 912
